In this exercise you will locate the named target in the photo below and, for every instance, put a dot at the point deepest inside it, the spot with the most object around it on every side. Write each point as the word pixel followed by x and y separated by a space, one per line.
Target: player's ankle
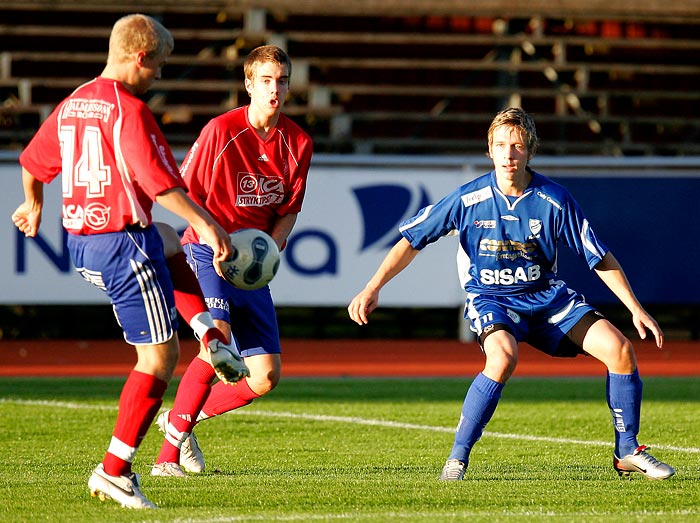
pixel 213 334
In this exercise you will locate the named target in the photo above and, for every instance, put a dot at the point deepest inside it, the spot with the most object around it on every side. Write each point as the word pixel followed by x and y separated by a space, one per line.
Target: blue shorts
pixel 251 314
pixel 542 319
pixel 130 267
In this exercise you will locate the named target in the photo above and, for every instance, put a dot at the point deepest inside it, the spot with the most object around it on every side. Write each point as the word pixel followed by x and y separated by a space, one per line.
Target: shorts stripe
pixel 154 302
pixel 472 313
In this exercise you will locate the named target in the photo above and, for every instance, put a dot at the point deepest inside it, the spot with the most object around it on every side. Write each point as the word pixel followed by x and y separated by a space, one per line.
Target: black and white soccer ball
pixel 255 261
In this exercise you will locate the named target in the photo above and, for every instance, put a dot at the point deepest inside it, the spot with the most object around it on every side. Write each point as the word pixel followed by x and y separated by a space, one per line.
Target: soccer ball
pixel 255 261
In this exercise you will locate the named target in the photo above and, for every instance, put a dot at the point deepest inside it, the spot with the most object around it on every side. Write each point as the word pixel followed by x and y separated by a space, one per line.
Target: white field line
pixel 437 515
pixel 357 421
pixel 433 428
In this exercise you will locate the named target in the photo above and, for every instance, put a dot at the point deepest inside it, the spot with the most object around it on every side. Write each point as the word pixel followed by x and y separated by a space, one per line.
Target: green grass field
pixel 358 450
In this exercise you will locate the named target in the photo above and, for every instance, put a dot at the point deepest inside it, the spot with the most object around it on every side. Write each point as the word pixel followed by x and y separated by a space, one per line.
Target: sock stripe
pixel 175 437
pixel 121 450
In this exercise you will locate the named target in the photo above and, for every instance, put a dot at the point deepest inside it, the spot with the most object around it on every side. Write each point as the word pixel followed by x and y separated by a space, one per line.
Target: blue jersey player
pixel 509 223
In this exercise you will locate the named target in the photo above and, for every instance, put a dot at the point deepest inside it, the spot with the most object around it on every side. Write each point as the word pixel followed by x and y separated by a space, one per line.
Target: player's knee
pixel 626 359
pixel 171 357
pixel 158 360
pixel 501 355
pixel 619 357
pixel 262 383
pixel 171 240
pixel 500 365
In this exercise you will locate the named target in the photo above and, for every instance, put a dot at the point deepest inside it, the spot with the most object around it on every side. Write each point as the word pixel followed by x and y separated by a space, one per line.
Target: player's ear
pixel 140 58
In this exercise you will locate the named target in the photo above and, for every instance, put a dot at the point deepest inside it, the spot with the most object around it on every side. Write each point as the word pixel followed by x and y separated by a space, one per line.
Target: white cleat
pixel 167 469
pixel 453 470
pixel 227 362
pixel 122 489
pixel 644 463
pixel 191 456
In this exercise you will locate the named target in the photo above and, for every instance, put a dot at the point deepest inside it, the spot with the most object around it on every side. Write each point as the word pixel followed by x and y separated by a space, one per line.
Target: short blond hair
pixel 262 55
pixel 137 32
pixel 519 119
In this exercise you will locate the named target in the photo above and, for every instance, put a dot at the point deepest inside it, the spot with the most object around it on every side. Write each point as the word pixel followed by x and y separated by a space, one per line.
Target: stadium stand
pixel 400 77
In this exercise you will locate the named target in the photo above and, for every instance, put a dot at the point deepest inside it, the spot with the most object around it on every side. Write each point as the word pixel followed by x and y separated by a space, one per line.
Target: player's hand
pixel 218 239
pixel 362 305
pixel 642 321
pixel 27 219
pixel 217 259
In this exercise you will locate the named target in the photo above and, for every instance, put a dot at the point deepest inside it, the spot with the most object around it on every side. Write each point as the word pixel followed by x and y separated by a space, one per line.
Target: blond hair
pixel 137 32
pixel 264 54
pixel 519 119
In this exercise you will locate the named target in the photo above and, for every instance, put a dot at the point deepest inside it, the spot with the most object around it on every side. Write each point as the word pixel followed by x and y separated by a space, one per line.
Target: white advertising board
pixel 348 223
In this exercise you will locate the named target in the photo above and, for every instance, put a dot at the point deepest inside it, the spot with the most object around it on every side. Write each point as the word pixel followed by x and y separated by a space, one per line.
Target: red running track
pixel 340 358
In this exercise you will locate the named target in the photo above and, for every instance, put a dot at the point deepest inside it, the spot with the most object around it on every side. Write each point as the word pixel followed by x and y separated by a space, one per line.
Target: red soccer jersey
pixel 243 180
pixel 113 157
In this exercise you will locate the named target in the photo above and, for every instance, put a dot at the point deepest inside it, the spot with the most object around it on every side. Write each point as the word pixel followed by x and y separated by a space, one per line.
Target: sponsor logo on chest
pixel 256 190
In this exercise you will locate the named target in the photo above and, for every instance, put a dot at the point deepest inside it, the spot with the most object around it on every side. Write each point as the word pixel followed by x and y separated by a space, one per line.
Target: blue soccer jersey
pixel 509 243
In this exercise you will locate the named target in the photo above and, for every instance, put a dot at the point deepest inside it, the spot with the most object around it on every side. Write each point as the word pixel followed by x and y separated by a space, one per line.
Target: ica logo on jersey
pixel 256 190
pixel 95 216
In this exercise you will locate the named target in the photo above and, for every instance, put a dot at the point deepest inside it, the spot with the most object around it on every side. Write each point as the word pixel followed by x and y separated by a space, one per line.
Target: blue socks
pixel 479 405
pixel 624 395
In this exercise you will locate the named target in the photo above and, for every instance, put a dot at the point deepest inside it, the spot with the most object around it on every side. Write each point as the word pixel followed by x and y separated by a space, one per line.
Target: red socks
pixel 190 300
pixel 188 294
pixel 212 334
pixel 224 398
pixel 192 392
pixel 141 397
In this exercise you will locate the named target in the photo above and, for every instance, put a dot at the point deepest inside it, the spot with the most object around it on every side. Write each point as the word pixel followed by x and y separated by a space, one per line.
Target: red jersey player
pixel 115 162
pixel 248 168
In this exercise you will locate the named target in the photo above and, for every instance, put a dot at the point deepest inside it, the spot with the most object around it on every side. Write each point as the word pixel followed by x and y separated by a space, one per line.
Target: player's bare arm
pixel 27 217
pixel 396 260
pixel 610 272
pixel 177 202
pixel 283 228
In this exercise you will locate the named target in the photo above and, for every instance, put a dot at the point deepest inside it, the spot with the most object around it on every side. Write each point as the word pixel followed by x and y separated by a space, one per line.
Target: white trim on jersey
pixel 223 150
pixel 123 168
pixel 289 149
pixel 463 265
pixel 420 218
pixel 586 243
